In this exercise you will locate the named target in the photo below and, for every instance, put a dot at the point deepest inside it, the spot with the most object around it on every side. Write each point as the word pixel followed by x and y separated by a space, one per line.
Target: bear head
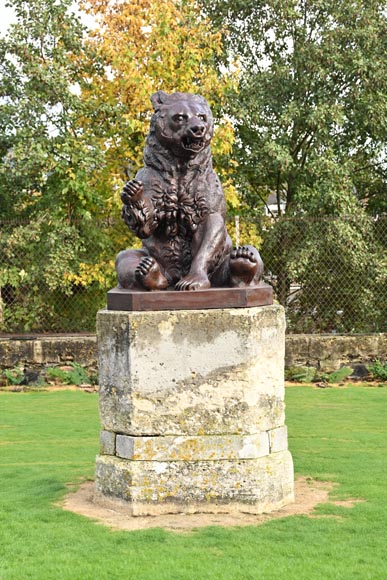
pixel 182 123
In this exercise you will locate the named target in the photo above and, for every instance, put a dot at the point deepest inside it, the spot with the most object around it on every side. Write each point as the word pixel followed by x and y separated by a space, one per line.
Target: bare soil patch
pixel 344 384
pixel 48 388
pixel 348 503
pixel 308 494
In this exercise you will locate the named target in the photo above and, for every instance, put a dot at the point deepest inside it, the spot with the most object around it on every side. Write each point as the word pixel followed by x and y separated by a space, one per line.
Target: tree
pixel 310 110
pixel 146 46
pixel 311 125
pixel 47 157
pixel 74 114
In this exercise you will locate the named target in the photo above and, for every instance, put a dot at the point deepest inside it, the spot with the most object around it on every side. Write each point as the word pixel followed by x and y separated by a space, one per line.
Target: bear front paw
pixel 132 190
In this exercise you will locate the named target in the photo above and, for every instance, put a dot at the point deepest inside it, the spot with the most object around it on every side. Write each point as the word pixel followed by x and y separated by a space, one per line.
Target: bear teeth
pixel 193 145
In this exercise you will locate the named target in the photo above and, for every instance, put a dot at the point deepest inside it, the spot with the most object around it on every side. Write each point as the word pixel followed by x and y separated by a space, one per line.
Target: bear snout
pixel 197 130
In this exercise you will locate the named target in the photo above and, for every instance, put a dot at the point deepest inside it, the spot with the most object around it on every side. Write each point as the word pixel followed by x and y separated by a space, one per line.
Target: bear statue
pixel 176 205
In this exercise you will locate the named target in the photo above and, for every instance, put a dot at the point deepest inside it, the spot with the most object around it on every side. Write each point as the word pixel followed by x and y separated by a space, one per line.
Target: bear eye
pixel 179 118
pixel 202 117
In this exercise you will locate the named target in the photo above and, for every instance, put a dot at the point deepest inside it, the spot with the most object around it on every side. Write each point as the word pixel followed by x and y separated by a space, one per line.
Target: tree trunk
pixel 283 283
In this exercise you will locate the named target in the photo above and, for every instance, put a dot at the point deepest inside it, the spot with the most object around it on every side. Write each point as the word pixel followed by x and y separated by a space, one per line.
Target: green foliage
pixel 50 277
pixel 56 373
pixel 74 112
pixel 310 110
pixel 77 375
pixel 340 375
pixel 338 268
pixel 46 156
pixel 55 246
pixel 312 375
pixel 311 128
pixel 51 439
pixel 300 374
pixel 378 369
pixel 14 376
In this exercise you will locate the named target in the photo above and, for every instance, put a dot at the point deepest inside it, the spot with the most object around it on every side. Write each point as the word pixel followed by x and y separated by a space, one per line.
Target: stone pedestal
pixel 192 411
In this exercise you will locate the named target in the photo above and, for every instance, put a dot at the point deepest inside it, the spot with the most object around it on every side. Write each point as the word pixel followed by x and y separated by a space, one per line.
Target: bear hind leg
pixel 136 269
pixel 246 267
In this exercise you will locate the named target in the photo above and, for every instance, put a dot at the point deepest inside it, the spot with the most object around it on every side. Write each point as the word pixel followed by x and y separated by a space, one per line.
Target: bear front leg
pixel 138 212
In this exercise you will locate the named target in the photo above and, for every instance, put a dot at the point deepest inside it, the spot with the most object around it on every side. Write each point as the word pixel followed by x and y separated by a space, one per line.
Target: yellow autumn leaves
pixel 145 46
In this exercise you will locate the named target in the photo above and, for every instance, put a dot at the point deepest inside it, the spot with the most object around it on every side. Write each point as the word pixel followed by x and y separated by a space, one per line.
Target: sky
pixel 6 16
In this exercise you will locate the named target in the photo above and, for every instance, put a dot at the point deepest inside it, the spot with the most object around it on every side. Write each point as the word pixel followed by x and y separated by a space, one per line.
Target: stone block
pixel 107 443
pixel 297 350
pixel 192 372
pixel 330 353
pixel 278 439
pixel 37 352
pixel 193 448
pixel 196 399
pixel 156 487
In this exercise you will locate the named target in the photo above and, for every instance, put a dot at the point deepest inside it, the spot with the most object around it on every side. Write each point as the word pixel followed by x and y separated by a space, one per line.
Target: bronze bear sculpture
pixel 176 205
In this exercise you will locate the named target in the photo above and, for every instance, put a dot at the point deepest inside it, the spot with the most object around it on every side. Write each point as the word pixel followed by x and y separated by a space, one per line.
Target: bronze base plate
pixel 121 299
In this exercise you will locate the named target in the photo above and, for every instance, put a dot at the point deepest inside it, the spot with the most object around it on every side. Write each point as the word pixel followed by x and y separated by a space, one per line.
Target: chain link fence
pixel 329 273
pixel 52 279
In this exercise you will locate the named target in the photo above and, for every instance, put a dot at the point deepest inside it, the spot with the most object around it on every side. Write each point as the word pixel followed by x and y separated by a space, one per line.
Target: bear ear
pixel 158 99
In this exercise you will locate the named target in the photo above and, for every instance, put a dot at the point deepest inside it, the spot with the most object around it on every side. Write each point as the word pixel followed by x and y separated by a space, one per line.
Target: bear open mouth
pixel 191 144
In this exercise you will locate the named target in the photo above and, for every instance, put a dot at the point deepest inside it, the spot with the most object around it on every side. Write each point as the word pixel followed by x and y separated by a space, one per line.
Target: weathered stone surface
pixel 297 350
pixel 107 443
pixel 48 351
pixel 320 351
pixel 194 448
pixel 278 439
pixel 331 352
pixel 34 355
pixel 195 398
pixel 154 487
pixel 192 372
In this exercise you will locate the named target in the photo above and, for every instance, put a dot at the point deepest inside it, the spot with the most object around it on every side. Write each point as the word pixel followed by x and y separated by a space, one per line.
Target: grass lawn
pixel 50 439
